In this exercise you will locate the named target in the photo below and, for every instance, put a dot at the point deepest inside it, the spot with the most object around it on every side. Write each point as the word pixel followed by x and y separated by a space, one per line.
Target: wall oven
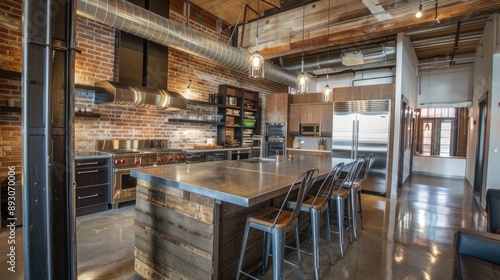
pixel 275 146
pixel 275 130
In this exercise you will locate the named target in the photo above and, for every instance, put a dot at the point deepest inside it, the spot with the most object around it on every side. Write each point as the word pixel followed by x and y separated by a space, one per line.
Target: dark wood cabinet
pixel 277 107
pixel 92 177
pixel 321 113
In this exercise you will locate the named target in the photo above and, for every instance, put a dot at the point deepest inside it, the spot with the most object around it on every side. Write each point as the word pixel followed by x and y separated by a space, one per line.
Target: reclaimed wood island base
pixel 189 219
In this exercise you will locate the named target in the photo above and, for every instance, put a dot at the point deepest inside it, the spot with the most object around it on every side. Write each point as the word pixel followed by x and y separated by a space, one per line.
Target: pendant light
pixel 327 92
pixel 302 80
pixel 256 61
pixel 419 13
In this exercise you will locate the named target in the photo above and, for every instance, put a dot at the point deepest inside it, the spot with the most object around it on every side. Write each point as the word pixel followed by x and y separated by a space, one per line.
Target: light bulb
pixel 418 14
pixel 255 62
pixel 302 80
pixel 327 90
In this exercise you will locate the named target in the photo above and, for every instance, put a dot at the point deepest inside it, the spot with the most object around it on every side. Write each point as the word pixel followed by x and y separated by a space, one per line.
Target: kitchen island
pixel 190 218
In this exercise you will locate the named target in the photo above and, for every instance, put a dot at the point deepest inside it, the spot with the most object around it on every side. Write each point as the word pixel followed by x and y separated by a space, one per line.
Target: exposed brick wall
pixel 118 122
pixel 97 58
pixel 10 59
pixel 10 35
pixel 95 63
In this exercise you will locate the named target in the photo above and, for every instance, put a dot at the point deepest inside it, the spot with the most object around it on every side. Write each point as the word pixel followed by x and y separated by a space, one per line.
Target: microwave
pixel 310 129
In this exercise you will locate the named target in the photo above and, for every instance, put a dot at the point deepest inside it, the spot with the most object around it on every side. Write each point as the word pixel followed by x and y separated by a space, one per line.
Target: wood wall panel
pixel 181 245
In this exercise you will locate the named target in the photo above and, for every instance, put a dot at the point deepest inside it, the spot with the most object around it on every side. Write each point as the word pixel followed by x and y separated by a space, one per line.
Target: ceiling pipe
pixel 338 59
pixel 140 22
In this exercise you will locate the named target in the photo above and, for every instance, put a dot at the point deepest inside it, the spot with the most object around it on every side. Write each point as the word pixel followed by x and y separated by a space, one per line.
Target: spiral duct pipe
pixel 140 22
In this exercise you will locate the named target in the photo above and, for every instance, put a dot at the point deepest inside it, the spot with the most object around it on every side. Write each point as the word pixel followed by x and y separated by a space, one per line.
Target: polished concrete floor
pixel 410 237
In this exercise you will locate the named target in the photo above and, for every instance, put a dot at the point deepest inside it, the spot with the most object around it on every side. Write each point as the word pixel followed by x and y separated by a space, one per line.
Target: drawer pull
pixel 87 172
pixel 87 163
pixel 88 196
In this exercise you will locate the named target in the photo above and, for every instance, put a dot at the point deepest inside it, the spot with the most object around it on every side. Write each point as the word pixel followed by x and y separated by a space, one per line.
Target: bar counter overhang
pixel 189 219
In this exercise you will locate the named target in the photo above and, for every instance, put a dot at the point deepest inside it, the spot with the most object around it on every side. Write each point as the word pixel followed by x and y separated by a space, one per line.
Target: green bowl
pixel 248 122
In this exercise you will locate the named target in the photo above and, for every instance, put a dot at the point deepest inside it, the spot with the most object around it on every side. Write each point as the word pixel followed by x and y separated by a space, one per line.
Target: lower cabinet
pixel 92 178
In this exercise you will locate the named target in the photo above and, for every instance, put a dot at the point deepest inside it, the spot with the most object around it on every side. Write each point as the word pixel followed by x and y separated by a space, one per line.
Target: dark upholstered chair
pixel 493 210
pixel 476 255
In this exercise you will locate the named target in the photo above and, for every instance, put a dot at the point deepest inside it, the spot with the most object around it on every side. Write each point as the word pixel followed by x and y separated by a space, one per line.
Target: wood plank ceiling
pixel 453 28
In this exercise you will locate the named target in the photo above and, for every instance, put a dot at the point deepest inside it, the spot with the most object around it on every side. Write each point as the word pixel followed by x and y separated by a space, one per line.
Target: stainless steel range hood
pixel 123 94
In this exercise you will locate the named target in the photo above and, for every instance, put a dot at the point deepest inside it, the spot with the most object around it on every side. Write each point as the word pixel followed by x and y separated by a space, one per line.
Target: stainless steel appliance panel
pixel 275 146
pixel 275 130
pixel 364 132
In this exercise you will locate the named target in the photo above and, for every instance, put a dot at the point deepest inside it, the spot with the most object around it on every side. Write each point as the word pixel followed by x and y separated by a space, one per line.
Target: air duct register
pixel 364 56
pixel 124 94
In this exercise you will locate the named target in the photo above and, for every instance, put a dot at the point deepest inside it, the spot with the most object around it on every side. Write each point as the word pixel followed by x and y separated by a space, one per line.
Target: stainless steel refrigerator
pixel 362 127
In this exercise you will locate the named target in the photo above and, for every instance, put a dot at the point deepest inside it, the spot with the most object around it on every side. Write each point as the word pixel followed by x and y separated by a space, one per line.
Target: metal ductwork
pixel 135 20
pixel 123 94
pixel 345 59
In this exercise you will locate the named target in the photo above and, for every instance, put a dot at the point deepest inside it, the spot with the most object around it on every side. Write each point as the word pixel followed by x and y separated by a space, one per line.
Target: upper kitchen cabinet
pixel 371 92
pixel 277 107
pixel 317 113
pixel 310 113
pixel 345 94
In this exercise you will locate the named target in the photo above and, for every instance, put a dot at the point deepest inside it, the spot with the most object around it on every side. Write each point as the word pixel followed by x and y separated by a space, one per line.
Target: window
pixel 438 131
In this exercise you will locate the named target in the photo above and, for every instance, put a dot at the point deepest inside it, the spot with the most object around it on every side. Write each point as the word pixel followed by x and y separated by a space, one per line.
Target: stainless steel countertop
pixel 238 182
pixel 309 150
pixel 90 155
pixel 217 150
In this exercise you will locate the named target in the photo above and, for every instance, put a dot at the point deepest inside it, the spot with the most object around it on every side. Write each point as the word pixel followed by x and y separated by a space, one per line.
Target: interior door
pixel 480 152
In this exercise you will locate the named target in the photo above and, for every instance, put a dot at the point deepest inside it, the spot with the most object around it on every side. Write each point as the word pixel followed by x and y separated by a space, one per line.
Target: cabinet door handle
pixel 87 163
pixel 88 196
pixel 87 172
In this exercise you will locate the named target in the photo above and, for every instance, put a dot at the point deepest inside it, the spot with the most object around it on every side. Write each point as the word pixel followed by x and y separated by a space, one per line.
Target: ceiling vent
pixel 364 56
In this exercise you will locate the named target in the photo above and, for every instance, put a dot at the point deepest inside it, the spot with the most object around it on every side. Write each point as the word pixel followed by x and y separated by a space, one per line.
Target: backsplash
pixel 120 122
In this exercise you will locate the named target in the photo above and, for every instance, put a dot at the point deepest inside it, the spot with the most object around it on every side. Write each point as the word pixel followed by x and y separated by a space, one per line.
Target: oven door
pixel 124 186
pixel 275 147
pixel 276 130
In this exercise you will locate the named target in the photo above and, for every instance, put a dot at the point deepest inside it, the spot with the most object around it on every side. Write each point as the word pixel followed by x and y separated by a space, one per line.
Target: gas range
pixel 146 157
pixel 135 154
pixel 140 153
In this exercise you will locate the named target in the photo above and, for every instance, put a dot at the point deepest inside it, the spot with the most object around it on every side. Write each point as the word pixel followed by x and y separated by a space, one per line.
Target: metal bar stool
pixel 355 188
pixel 339 198
pixel 316 205
pixel 356 192
pixel 275 223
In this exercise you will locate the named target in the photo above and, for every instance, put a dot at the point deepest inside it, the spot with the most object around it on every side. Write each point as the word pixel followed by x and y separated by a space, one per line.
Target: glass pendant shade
pixel 327 94
pixel 256 66
pixel 302 83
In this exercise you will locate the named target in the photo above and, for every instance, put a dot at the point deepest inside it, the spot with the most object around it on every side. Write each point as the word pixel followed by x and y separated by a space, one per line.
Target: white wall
pixel 440 166
pixel 446 85
pixel 407 86
pixel 486 80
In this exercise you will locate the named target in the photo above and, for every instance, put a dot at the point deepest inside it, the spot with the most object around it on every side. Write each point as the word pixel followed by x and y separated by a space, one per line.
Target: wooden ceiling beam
pixel 356 26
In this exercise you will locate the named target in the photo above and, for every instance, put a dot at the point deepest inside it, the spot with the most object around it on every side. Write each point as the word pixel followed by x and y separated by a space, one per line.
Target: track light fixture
pixel 419 13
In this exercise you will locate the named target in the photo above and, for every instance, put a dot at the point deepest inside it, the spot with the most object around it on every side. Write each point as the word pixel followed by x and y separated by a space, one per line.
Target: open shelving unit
pixel 241 104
